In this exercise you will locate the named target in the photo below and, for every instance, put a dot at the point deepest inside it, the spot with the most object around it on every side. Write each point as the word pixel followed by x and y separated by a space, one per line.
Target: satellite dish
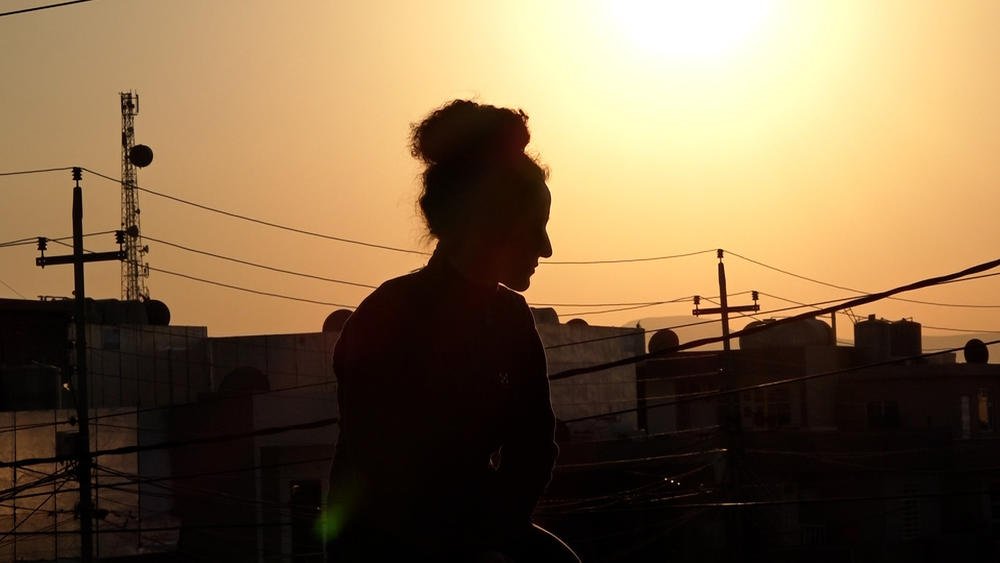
pixel 663 339
pixel 140 155
pixel 157 312
pixel 976 352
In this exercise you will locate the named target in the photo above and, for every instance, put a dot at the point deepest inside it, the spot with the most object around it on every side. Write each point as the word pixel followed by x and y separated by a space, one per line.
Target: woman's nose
pixel 546 250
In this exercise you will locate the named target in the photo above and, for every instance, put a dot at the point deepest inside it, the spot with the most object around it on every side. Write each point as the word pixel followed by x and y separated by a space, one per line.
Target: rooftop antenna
pixel 134 269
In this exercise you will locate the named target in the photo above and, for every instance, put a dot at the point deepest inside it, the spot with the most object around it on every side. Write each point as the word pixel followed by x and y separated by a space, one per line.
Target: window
pixel 305 500
pixel 912 526
pixel 966 418
pixel 984 412
pixel 883 414
pixel 995 502
pixel 684 414
pixel 767 408
pixel 111 338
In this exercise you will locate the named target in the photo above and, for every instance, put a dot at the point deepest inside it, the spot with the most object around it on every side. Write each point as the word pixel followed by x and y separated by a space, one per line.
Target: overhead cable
pixel 757 328
pixel 257 265
pixel 248 290
pixel 371 244
pixel 169 444
pixel 626 260
pixel 34 240
pixel 8 286
pixel 41 170
pixel 853 290
pixel 263 222
pixel 721 393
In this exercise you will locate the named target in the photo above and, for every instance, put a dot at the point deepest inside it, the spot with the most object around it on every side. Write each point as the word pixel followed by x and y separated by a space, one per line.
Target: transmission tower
pixel 134 269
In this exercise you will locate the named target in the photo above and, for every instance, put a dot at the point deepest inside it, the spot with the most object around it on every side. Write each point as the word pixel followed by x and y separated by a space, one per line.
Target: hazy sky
pixel 853 142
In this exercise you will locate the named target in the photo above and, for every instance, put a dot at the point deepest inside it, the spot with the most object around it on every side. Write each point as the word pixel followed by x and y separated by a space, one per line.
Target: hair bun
pixel 464 131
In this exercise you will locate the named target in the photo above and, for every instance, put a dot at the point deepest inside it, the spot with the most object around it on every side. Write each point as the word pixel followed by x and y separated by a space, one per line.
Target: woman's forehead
pixel 540 201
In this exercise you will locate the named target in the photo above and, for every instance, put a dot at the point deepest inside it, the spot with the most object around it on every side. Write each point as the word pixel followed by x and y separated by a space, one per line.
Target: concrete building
pixel 137 372
pixel 864 456
pixel 163 390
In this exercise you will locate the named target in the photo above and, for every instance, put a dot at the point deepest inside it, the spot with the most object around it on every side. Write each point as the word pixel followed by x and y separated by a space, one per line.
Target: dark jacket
pixel 446 425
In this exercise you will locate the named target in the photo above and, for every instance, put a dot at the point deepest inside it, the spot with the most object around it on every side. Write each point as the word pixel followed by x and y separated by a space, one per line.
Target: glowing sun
pixel 691 28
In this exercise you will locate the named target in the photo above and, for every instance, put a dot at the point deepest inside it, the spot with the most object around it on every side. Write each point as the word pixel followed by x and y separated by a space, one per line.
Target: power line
pixel 799 305
pixel 614 462
pixel 12 427
pixel 16 490
pixel 188 490
pixel 8 286
pixel 169 444
pixel 625 260
pixel 131 412
pixel 852 290
pixel 144 529
pixel 39 171
pixel 618 309
pixel 136 411
pixel 992 264
pixel 370 244
pixel 626 305
pixel 44 501
pixel 150 480
pixel 858 498
pixel 44 529
pixel 968 330
pixel 949 329
pixel 257 265
pixel 34 240
pixel 263 222
pixel 646 331
pixel 20 241
pixel 715 394
pixel 139 480
pixel 248 290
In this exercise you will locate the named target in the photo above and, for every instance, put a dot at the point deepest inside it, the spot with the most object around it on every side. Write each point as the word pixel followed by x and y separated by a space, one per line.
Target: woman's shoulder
pixel 390 299
pixel 381 317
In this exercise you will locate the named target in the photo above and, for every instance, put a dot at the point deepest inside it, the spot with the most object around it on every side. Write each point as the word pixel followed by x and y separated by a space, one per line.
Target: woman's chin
pixel 519 283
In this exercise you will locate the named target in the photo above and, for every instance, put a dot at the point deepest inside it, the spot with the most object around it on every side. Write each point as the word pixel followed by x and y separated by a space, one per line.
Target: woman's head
pixel 483 197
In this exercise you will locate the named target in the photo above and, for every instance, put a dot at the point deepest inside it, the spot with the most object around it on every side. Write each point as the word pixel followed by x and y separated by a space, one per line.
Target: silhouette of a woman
pixel 446 436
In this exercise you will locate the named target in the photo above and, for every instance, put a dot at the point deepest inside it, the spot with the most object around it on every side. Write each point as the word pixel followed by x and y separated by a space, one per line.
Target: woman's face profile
pixel 525 242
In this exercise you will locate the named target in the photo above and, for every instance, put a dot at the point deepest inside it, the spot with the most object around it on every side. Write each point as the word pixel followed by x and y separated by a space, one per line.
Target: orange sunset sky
pixel 854 142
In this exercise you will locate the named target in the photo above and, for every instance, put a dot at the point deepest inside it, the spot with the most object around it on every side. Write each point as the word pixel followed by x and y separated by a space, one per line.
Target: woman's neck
pixel 470 266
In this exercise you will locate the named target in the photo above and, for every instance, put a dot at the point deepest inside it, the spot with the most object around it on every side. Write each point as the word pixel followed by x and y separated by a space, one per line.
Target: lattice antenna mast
pixel 134 269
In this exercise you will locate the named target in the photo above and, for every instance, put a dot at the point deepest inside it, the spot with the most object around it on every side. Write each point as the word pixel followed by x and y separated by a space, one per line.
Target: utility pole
pixel 732 423
pixel 78 258
pixel 725 309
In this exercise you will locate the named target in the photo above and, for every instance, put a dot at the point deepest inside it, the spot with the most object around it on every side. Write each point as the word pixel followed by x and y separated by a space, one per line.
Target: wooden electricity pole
pixel 732 424
pixel 78 258
pixel 724 309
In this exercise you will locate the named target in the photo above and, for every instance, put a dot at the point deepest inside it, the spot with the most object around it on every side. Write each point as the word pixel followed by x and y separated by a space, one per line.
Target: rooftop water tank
pixel 800 332
pixel 904 338
pixel 336 320
pixel 976 352
pixel 663 339
pixel 872 338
